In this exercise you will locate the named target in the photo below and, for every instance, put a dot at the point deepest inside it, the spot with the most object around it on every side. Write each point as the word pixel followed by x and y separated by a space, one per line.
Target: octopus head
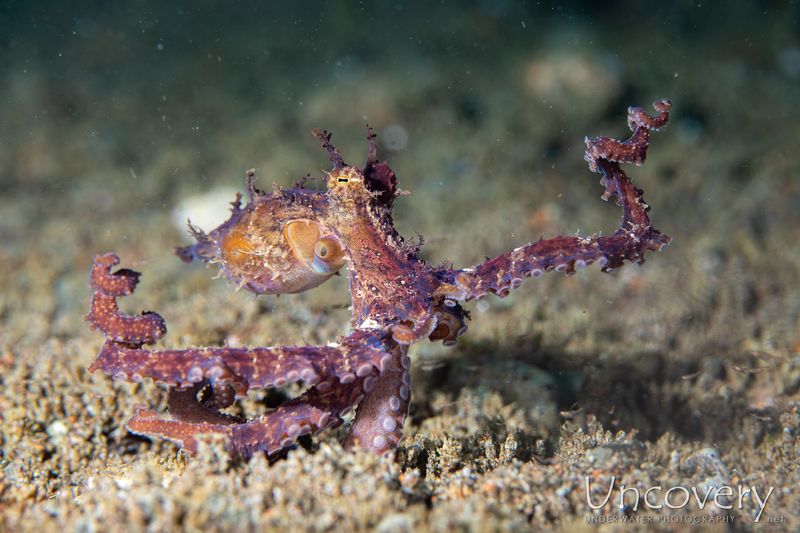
pixel 348 184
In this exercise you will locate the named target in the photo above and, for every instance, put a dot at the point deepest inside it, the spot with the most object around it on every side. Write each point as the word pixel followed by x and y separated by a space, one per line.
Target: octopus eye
pixel 328 254
pixel 321 249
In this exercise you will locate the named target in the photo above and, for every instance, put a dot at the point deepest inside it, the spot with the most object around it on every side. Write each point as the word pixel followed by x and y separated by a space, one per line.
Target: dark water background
pixel 140 77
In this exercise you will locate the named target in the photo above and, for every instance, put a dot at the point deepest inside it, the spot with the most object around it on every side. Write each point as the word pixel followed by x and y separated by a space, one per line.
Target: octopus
pixel 292 240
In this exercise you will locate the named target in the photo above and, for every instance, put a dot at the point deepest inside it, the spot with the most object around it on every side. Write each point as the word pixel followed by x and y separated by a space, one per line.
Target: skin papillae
pixel 292 240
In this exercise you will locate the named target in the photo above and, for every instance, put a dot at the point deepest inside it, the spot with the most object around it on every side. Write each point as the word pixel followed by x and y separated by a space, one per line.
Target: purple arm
pixel 204 380
pixel 635 235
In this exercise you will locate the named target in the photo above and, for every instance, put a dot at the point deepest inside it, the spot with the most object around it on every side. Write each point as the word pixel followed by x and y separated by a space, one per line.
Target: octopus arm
pixel 203 381
pixel 566 254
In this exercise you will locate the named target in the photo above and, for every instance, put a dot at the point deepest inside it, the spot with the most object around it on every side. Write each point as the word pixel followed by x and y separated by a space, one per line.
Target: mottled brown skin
pixel 293 240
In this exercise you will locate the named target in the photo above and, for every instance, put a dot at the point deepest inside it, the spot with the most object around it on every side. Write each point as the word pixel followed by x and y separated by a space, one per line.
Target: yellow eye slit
pixel 343 176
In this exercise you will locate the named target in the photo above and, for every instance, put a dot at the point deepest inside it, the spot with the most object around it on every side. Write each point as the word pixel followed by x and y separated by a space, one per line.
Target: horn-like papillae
pixel 324 137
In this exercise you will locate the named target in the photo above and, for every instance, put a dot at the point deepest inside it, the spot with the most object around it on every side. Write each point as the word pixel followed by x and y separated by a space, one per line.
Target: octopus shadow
pixel 650 393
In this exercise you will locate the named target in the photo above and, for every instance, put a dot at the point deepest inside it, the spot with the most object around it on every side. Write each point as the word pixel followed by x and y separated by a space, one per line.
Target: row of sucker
pixel 567 254
pixel 355 373
pixel 378 424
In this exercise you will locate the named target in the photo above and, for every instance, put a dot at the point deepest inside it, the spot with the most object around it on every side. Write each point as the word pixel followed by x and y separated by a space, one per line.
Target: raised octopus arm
pixel 340 375
pixel 635 235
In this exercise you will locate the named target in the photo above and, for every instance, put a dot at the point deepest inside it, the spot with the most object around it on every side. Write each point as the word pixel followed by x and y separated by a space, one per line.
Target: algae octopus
pixel 294 239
